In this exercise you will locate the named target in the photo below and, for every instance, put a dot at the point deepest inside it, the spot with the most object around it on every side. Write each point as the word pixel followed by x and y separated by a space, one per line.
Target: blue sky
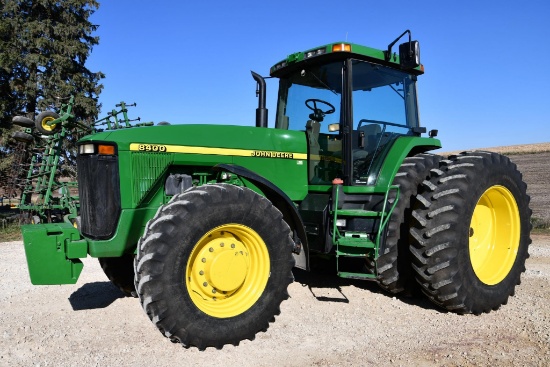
pixel 486 82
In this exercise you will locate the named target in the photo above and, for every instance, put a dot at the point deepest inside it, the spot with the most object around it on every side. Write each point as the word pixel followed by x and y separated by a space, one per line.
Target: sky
pixel 485 83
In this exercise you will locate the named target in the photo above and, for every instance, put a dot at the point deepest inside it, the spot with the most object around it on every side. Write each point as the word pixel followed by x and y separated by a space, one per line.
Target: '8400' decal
pixel 151 148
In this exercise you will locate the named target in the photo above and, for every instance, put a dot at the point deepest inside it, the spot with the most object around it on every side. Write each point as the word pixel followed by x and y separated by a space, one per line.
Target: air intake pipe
pixel 261 111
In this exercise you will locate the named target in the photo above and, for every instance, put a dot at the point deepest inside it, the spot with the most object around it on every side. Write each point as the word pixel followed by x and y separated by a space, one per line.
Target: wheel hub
pixel 45 125
pixel 494 235
pixel 223 266
pixel 228 270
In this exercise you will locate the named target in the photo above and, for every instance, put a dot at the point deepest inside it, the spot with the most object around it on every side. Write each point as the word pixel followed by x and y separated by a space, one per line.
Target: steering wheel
pixel 318 114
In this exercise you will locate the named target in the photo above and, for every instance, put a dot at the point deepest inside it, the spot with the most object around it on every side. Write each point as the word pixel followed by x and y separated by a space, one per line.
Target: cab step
pixel 357 213
pixel 361 276
pixel 363 242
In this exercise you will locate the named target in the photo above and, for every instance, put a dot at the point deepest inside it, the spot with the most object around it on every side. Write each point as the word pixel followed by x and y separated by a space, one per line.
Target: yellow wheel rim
pixel 44 124
pixel 227 271
pixel 494 235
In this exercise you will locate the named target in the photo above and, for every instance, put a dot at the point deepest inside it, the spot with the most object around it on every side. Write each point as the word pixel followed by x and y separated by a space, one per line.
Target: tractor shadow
pixel 94 295
pixel 323 281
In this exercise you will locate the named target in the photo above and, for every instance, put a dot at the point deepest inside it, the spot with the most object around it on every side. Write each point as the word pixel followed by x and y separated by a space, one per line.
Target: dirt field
pixel 328 321
pixel 533 161
pixel 536 172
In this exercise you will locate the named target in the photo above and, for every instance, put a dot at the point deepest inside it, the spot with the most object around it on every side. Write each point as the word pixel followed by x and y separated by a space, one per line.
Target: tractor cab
pixel 352 103
pixel 357 107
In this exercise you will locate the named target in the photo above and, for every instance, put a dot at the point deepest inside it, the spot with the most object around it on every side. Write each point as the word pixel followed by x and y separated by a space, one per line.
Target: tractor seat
pixel 372 135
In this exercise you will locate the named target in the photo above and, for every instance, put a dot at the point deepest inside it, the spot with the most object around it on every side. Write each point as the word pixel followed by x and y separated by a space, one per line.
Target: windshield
pixel 384 108
pixel 383 94
pixel 310 101
pixel 321 82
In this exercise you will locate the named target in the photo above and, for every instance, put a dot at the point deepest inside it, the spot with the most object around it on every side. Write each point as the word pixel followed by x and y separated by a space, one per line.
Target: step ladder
pixel 352 244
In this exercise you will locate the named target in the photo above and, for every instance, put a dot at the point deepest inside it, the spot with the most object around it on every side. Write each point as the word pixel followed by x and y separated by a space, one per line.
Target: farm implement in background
pixel 44 158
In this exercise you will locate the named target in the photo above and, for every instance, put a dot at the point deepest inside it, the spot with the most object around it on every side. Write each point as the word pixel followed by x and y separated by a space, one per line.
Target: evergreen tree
pixel 44 45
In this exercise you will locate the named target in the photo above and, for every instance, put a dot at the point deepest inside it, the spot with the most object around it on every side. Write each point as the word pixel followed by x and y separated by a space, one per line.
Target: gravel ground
pixel 328 321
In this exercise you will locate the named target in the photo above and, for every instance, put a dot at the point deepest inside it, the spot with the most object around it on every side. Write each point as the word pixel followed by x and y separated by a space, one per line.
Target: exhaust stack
pixel 261 111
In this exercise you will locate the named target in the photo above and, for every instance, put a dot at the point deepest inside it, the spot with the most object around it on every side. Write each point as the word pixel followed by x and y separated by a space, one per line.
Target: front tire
pixel 120 271
pixel 213 266
pixel 471 235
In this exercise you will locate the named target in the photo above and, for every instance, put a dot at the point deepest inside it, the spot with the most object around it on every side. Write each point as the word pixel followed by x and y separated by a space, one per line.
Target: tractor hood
pixel 205 139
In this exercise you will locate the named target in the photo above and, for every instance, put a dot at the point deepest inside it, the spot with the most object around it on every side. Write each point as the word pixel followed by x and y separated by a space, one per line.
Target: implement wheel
pixel 23 121
pixel 213 266
pixel 41 123
pixel 393 265
pixel 471 234
pixel 23 137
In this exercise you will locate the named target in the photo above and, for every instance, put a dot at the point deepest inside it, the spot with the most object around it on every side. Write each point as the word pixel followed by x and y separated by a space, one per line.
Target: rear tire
pixel 120 271
pixel 213 266
pixel 471 232
pixel 41 123
pixel 394 261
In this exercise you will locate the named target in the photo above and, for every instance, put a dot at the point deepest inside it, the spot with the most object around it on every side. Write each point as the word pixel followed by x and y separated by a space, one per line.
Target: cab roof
pixel 338 51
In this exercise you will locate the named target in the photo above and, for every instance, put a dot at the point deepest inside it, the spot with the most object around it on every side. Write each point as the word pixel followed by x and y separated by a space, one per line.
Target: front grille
pixel 99 194
pixel 147 169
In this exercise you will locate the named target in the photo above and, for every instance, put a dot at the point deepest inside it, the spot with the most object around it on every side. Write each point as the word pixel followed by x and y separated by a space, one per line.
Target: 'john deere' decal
pixel 155 148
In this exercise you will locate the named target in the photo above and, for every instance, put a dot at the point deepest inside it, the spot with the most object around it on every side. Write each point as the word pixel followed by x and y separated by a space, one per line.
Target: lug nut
pixel 201 272
pixel 213 291
pixel 204 259
pixel 221 244
pixel 232 245
pixel 205 284
pixel 211 249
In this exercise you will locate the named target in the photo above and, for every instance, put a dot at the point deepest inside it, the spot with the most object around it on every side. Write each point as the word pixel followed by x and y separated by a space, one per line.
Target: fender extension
pixel 282 202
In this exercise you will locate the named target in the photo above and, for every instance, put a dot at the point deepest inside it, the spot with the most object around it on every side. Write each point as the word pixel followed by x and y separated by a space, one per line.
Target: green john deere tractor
pixel 204 223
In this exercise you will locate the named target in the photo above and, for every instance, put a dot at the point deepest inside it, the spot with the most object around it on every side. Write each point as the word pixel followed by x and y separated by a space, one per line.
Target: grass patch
pixel 540 225
pixel 10 232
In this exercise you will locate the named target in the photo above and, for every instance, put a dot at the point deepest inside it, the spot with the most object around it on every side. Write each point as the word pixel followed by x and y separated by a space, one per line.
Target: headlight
pixel 86 149
pixel 97 148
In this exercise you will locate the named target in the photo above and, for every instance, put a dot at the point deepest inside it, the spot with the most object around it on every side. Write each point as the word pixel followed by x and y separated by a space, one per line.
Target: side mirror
pixel 409 55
